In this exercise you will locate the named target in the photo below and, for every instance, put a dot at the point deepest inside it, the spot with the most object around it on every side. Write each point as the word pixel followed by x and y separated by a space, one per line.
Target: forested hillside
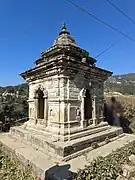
pixel 13 102
pixel 13 99
pixel 124 84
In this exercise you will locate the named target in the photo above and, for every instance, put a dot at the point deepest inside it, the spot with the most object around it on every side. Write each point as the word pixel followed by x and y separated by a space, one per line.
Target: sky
pixel 30 26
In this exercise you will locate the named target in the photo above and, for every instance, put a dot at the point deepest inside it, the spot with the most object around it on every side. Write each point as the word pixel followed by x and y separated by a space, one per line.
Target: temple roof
pixel 64 37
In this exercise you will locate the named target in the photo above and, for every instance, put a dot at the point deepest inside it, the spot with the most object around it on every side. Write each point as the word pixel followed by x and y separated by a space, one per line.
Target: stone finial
pixel 64 28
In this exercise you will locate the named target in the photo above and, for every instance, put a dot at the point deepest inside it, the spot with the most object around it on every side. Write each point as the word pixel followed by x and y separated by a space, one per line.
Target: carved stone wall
pixel 64 99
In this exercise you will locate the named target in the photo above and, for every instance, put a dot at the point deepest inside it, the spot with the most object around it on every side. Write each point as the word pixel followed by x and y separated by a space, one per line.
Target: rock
pixel 128 171
pixel 121 178
pixel 132 159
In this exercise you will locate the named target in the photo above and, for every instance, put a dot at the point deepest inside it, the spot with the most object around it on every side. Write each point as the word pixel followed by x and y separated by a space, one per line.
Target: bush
pixel 128 103
pixel 11 171
pixel 107 168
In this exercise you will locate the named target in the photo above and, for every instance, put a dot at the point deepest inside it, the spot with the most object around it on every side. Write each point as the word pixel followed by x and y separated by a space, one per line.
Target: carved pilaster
pixel 69 121
pixel 82 95
pixel 94 110
pixel 45 111
pixel 82 112
pixel 36 110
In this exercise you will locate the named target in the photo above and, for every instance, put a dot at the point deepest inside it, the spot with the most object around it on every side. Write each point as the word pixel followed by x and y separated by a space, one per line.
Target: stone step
pixel 80 129
pixel 41 162
pixel 109 132
pixel 101 151
pixel 77 145
pixel 88 149
pixel 87 132
pixel 63 149
pixel 76 133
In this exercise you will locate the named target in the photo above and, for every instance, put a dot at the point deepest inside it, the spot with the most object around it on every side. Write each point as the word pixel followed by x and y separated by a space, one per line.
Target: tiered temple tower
pixel 66 98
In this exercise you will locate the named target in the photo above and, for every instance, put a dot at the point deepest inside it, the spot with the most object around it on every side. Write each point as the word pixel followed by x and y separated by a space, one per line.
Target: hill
pixel 13 99
pixel 13 102
pixel 124 84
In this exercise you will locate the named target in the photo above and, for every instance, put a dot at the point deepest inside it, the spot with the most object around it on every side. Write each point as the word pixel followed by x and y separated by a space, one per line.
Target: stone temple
pixel 66 124
pixel 66 98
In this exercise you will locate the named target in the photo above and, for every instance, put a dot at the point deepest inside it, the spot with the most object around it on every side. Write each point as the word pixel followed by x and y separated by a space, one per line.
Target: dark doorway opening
pixel 40 104
pixel 87 105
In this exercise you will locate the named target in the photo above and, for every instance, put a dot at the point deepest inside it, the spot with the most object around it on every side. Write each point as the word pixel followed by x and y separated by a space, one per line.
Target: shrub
pixel 11 171
pixel 106 168
pixel 128 103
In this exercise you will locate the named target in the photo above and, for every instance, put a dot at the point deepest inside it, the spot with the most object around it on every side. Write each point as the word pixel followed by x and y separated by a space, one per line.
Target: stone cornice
pixel 65 49
pixel 65 65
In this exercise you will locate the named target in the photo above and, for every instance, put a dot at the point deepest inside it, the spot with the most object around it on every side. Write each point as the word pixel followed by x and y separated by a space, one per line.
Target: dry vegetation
pixel 110 167
pixel 128 103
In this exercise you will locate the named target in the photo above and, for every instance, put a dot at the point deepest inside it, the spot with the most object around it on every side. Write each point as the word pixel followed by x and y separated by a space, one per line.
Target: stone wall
pixel 64 100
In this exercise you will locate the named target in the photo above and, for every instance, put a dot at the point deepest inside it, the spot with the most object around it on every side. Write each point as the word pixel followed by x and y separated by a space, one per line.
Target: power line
pixel 114 44
pixel 100 20
pixel 118 9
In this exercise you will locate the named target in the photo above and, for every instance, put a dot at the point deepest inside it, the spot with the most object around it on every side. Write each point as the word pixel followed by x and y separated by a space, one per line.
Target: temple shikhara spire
pixel 64 29
pixel 66 98
pixel 64 37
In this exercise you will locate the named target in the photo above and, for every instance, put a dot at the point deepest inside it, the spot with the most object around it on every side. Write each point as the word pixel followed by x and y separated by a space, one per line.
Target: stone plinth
pixel 40 161
pixel 76 143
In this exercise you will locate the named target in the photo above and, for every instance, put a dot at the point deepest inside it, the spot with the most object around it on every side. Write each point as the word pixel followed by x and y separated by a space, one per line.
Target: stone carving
pixel 84 60
pixel 82 92
pixel 40 87
pixel 94 145
pixel 107 140
pixel 90 84
pixel 78 113
pixel 50 112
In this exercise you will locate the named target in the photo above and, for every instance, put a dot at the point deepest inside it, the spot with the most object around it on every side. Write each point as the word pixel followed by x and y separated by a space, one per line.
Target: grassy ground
pixel 9 170
pixel 107 168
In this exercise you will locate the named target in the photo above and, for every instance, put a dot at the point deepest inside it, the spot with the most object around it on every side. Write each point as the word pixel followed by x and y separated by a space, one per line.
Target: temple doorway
pixel 40 104
pixel 87 105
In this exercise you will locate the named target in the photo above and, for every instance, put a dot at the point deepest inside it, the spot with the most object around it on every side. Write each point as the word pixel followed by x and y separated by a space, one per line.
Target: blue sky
pixel 28 27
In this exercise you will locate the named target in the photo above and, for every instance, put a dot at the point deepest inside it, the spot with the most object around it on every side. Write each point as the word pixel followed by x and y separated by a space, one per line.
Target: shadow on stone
pixel 109 116
pixel 59 173
pixel 125 123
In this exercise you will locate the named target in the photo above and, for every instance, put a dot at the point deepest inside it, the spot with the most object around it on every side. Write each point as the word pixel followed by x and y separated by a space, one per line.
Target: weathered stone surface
pixel 62 78
pixel 41 162
pixel 128 171
pixel 73 144
pixel 120 177
pixel 132 159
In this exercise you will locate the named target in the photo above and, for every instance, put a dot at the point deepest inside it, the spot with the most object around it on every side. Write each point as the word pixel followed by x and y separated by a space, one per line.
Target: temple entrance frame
pixel 41 105
pixel 87 101
pixel 87 105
